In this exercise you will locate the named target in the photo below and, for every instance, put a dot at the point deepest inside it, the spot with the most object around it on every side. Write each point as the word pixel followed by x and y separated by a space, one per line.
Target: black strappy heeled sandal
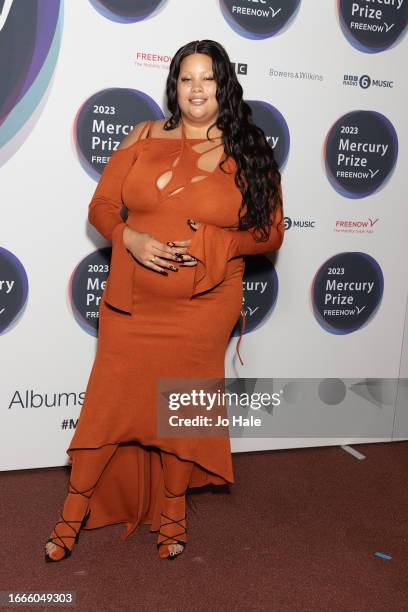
pixel 57 538
pixel 167 539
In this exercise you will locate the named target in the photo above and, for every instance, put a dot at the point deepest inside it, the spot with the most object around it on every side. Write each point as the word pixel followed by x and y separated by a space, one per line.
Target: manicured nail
pixel 173 268
pixel 190 221
pixel 164 272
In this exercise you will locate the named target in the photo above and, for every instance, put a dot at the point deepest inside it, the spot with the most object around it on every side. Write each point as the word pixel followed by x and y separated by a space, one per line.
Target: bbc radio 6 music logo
pixel 104 120
pixel 258 19
pixel 365 81
pixel 125 11
pixel 13 289
pixel 30 34
pixel 86 287
pixel 273 123
pixel 346 292
pixel 373 26
pixel 260 284
pixel 360 153
pixel 290 222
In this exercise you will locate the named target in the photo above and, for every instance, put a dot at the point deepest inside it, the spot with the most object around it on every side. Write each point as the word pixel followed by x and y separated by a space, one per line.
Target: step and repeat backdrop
pixel 325 316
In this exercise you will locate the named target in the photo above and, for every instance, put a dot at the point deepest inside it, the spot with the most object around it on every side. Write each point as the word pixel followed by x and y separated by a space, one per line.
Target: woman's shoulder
pixel 157 130
pixel 146 130
pixel 138 133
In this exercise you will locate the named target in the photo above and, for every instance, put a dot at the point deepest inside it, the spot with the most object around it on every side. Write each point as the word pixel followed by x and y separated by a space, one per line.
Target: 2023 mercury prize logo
pixel 30 34
pixel 346 292
pixel 373 26
pixel 86 287
pixel 360 152
pixel 258 19
pixel 104 120
pixel 127 11
pixel 273 123
pixel 260 283
pixel 13 289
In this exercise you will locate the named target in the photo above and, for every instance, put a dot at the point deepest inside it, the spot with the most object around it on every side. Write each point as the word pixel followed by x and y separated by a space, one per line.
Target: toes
pixel 175 549
pixel 50 550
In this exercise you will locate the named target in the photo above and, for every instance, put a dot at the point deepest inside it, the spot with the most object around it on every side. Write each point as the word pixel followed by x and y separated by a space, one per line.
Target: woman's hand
pixel 193 224
pixel 155 254
pixel 196 224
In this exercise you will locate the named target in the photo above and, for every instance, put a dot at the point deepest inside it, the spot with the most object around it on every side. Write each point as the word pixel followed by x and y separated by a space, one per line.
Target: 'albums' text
pixel 30 399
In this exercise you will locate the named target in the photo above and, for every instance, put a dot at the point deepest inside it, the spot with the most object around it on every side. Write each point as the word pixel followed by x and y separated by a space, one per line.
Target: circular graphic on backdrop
pixel 273 123
pixel 104 120
pixel 86 286
pixel 360 152
pixel 30 34
pixel 375 26
pixel 13 289
pixel 258 18
pixel 125 11
pixel 346 292
pixel 260 284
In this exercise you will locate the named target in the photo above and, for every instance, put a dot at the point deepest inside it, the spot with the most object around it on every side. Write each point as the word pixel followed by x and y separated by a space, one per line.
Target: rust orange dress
pixel 154 326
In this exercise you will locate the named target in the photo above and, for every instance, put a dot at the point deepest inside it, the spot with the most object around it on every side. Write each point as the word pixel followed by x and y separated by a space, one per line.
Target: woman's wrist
pixel 127 233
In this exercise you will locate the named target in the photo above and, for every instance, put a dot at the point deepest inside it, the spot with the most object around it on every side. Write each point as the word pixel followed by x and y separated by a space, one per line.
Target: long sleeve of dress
pixel 104 214
pixel 214 246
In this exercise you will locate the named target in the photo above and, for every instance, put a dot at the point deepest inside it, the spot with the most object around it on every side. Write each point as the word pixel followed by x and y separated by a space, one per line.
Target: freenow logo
pixel 258 18
pixel 145 59
pixel 272 122
pixel 30 34
pixel 104 120
pixel 364 81
pixel 299 223
pixel 260 283
pixel 128 11
pixel 13 290
pixel 355 226
pixel 373 25
pixel 86 287
pixel 346 292
pixel 360 152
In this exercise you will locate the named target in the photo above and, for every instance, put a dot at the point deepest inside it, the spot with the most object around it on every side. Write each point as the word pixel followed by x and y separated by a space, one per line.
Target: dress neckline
pixel 184 137
pixel 181 138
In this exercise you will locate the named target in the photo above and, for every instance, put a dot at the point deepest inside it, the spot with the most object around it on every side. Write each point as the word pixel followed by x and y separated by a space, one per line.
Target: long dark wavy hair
pixel 257 175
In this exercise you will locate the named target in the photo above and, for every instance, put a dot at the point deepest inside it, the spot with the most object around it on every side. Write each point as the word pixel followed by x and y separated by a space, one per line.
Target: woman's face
pixel 196 89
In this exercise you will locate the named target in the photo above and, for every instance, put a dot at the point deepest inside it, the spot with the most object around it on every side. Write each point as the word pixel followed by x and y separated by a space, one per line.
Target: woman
pixel 202 189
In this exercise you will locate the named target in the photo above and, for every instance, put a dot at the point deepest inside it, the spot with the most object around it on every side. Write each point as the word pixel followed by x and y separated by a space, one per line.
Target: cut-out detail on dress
pixel 207 156
pixel 173 193
pixel 164 179
pixel 207 145
pixel 208 161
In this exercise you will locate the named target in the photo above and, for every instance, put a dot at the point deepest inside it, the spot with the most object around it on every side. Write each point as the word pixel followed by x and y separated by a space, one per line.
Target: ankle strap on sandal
pixel 170 495
pixel 76 492
pixel 172 539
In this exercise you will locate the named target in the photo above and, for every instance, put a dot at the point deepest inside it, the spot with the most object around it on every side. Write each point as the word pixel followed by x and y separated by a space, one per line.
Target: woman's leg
pixel 87 467
pixel 176 475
